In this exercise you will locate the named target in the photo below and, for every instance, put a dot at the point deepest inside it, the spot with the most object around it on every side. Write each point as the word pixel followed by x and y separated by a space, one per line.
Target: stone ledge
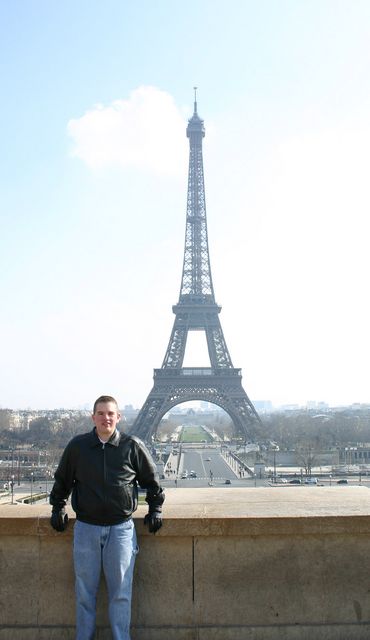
pixel 229 511
pixel 262 632
pixel 229 564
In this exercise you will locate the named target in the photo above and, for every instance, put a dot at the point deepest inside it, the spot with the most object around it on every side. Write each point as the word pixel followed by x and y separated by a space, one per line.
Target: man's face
pixel 105 419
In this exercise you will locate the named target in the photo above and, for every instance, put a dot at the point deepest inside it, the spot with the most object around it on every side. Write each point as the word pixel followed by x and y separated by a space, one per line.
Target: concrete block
pixel 281 580
pixel 285 632
pixel 19 571
pixel 56 583
pixel 167 633
pixel 163 582
pixel 37 633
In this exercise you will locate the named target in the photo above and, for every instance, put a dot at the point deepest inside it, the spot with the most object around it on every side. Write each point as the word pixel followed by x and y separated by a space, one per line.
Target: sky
pixel 94 104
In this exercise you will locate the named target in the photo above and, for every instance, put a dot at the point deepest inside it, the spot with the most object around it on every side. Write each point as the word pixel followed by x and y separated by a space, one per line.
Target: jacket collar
pixel 113 440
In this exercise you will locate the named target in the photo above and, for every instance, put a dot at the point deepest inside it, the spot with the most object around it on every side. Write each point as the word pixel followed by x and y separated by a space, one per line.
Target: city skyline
pixel 262 406
pixel 93 189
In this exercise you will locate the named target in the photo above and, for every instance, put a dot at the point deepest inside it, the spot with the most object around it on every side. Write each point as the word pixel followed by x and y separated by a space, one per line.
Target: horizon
pixel 317 405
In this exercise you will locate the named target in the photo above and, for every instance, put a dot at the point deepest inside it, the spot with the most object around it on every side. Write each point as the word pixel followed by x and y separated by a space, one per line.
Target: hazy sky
pixel 93 179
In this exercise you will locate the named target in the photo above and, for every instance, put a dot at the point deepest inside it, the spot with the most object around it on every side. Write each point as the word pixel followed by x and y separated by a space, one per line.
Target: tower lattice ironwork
pixel 197 310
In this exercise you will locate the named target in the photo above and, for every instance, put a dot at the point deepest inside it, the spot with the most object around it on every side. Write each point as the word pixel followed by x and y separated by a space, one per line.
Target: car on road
pixel 184 475
pixel 193 474
pixel 342 481
pixel 227 481
pixel 295 481
pixel 207 459
pixel 310 481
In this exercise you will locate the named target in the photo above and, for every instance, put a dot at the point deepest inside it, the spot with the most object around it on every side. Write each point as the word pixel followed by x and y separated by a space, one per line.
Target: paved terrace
pixel 283 563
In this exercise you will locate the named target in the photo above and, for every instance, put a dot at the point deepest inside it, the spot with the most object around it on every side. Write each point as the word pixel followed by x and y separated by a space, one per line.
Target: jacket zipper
pixel 104 478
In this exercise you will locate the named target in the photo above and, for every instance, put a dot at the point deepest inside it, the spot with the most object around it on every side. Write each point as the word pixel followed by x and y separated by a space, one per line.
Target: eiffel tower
pixel 197 310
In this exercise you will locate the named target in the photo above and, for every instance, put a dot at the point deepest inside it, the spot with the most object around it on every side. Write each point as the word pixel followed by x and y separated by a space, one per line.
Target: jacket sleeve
pixel 64 479
pixel 147 476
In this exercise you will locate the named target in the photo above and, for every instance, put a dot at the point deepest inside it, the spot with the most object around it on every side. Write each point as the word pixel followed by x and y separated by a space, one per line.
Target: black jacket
pixel 103 478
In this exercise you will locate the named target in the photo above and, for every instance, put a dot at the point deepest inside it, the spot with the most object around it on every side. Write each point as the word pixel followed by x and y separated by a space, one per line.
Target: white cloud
pixel 146 131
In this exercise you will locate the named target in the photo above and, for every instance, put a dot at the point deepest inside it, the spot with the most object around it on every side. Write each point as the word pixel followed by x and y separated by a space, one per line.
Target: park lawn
pixel 194 434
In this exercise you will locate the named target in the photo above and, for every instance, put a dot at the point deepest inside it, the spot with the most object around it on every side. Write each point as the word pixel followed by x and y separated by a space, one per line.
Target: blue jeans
pixel 114 548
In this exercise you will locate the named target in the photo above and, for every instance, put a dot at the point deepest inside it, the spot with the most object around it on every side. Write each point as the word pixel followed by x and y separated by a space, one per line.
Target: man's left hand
pixel 154 521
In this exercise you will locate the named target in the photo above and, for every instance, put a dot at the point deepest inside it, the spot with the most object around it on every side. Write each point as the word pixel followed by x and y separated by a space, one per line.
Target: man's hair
pixel 104 399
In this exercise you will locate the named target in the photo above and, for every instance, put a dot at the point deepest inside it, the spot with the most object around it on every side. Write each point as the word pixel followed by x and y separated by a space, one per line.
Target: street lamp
pixel 12 481
pixel 19 471
pixel 31 487
pixel 46 485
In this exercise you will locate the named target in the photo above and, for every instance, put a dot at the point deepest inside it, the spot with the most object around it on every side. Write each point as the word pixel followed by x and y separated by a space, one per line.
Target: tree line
pixel 287 431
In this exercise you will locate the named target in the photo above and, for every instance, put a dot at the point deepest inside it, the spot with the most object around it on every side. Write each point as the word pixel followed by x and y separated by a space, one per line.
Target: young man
pixel 102 469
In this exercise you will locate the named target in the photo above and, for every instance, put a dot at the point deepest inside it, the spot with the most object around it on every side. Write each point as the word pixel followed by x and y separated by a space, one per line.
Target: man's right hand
pixel 59 519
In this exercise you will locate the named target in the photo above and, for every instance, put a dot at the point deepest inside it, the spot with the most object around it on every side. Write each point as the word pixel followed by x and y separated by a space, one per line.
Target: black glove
pixel 59 519
pixel 154 521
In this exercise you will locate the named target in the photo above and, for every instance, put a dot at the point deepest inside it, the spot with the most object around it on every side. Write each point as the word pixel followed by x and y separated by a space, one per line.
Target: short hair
pixel 104 399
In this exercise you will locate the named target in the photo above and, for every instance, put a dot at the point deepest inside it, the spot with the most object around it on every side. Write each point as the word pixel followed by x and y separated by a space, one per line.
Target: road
pixel 202 460
pixel 206 463
pixel 205 459
pixel 209 466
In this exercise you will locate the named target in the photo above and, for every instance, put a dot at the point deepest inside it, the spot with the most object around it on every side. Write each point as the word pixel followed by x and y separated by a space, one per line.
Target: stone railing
pixel 283 563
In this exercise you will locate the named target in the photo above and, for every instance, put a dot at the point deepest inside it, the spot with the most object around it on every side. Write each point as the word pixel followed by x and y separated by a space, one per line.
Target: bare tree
pixel 306 456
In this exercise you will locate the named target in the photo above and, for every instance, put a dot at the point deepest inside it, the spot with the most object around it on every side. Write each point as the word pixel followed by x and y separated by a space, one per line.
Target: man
pixel 102 469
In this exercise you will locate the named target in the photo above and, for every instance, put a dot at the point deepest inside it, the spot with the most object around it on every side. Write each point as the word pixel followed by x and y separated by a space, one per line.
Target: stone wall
pixel 229 564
